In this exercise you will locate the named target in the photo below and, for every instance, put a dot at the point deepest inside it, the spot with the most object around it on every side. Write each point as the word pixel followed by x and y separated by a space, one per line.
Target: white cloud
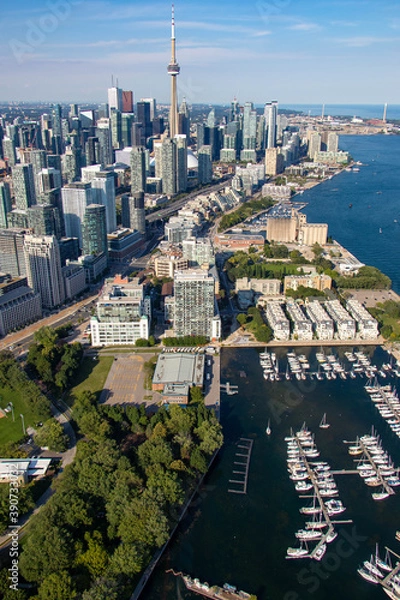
pixel 364 41
pixel 305 27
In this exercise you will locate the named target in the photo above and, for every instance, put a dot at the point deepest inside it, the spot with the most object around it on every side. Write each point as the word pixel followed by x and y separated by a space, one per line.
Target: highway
pixel 175 206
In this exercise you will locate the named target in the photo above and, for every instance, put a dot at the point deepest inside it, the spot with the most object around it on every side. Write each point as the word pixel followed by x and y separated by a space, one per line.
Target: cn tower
pixel 173 70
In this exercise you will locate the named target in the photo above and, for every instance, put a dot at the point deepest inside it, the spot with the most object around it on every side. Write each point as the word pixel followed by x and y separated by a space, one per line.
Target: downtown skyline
pixel 306 52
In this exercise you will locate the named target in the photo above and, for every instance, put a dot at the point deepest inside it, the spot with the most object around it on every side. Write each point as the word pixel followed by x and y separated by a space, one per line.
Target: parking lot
pixel 125 381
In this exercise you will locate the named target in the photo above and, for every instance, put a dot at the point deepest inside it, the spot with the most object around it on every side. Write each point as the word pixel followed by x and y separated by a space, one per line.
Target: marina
pixel 316 476
pixel 387 403
pixel 329 366
pixel 269 511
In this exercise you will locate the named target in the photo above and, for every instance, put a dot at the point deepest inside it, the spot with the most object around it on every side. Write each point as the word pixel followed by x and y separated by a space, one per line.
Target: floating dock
pixel 215 592
pixel 245 446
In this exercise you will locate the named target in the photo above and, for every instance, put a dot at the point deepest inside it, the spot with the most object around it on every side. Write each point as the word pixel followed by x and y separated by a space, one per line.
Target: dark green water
pixel 243 539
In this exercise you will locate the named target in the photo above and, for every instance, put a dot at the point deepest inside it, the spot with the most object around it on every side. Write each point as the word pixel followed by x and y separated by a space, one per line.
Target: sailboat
pixel 268 429
pixel 323 424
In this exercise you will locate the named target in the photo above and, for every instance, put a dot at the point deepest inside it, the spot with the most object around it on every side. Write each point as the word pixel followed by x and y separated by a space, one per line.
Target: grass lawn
pixel 11 431
pixel 394 323
pixel 91 376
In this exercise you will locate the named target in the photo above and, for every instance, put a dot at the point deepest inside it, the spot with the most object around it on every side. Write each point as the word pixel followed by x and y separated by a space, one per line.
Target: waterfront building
pixel 277 320
pixel 345 324
pixel 195 307
pixel 265 287
pixel 43 265
pixel 314 144
pixel 313 280
pixel 332 144
pixel 5 203
pixel 302 329
pixel 367 326
pixel 277 192
pixel 179 369
pixel 313 233
pixel 23 186
pixel 120 316
pixel 323 324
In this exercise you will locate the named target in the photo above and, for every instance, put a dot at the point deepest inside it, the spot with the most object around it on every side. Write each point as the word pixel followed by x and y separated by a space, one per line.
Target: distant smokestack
pixel 384 112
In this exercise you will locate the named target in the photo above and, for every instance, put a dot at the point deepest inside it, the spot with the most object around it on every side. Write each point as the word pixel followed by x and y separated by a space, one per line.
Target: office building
pixel 127 101
pixel 23 186
pixel 74 280
pixel 194 303
pixel 123 244
pixel 115 99
pixel 12 257
pixel 120 315
pixel 94 230
pixel 333 142
pixel 18 308
pixel 103 134
pixel 5 204
pixel 143 117
pixel 75 198
pixel 44 219
pixel 43 265
pixel 127 120
pixel 116 128
pixel 103 192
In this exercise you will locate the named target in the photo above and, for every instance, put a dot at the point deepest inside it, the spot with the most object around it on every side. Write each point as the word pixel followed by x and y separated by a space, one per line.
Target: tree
pixel 241 319
pixel 57 586
pixel 52 435
pixel 102 588
pixel 211 437
pixel 95 558
pixel 198 461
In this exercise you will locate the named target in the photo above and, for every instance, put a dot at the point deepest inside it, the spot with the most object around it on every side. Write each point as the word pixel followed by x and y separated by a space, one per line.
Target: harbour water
pixel 243 539
pixel 363 111
pixel 374 193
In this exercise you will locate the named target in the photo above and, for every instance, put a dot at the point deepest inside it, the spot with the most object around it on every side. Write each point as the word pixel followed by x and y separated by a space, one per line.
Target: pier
pixel 242 475
pixel 366 456
pixel 387 581
pixel 229 389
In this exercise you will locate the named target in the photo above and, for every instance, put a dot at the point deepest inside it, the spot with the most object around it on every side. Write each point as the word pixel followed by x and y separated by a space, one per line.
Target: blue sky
pixel 295 51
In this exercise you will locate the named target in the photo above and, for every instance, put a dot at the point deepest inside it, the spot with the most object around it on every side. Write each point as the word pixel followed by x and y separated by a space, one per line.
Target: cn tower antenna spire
pixel 173 70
